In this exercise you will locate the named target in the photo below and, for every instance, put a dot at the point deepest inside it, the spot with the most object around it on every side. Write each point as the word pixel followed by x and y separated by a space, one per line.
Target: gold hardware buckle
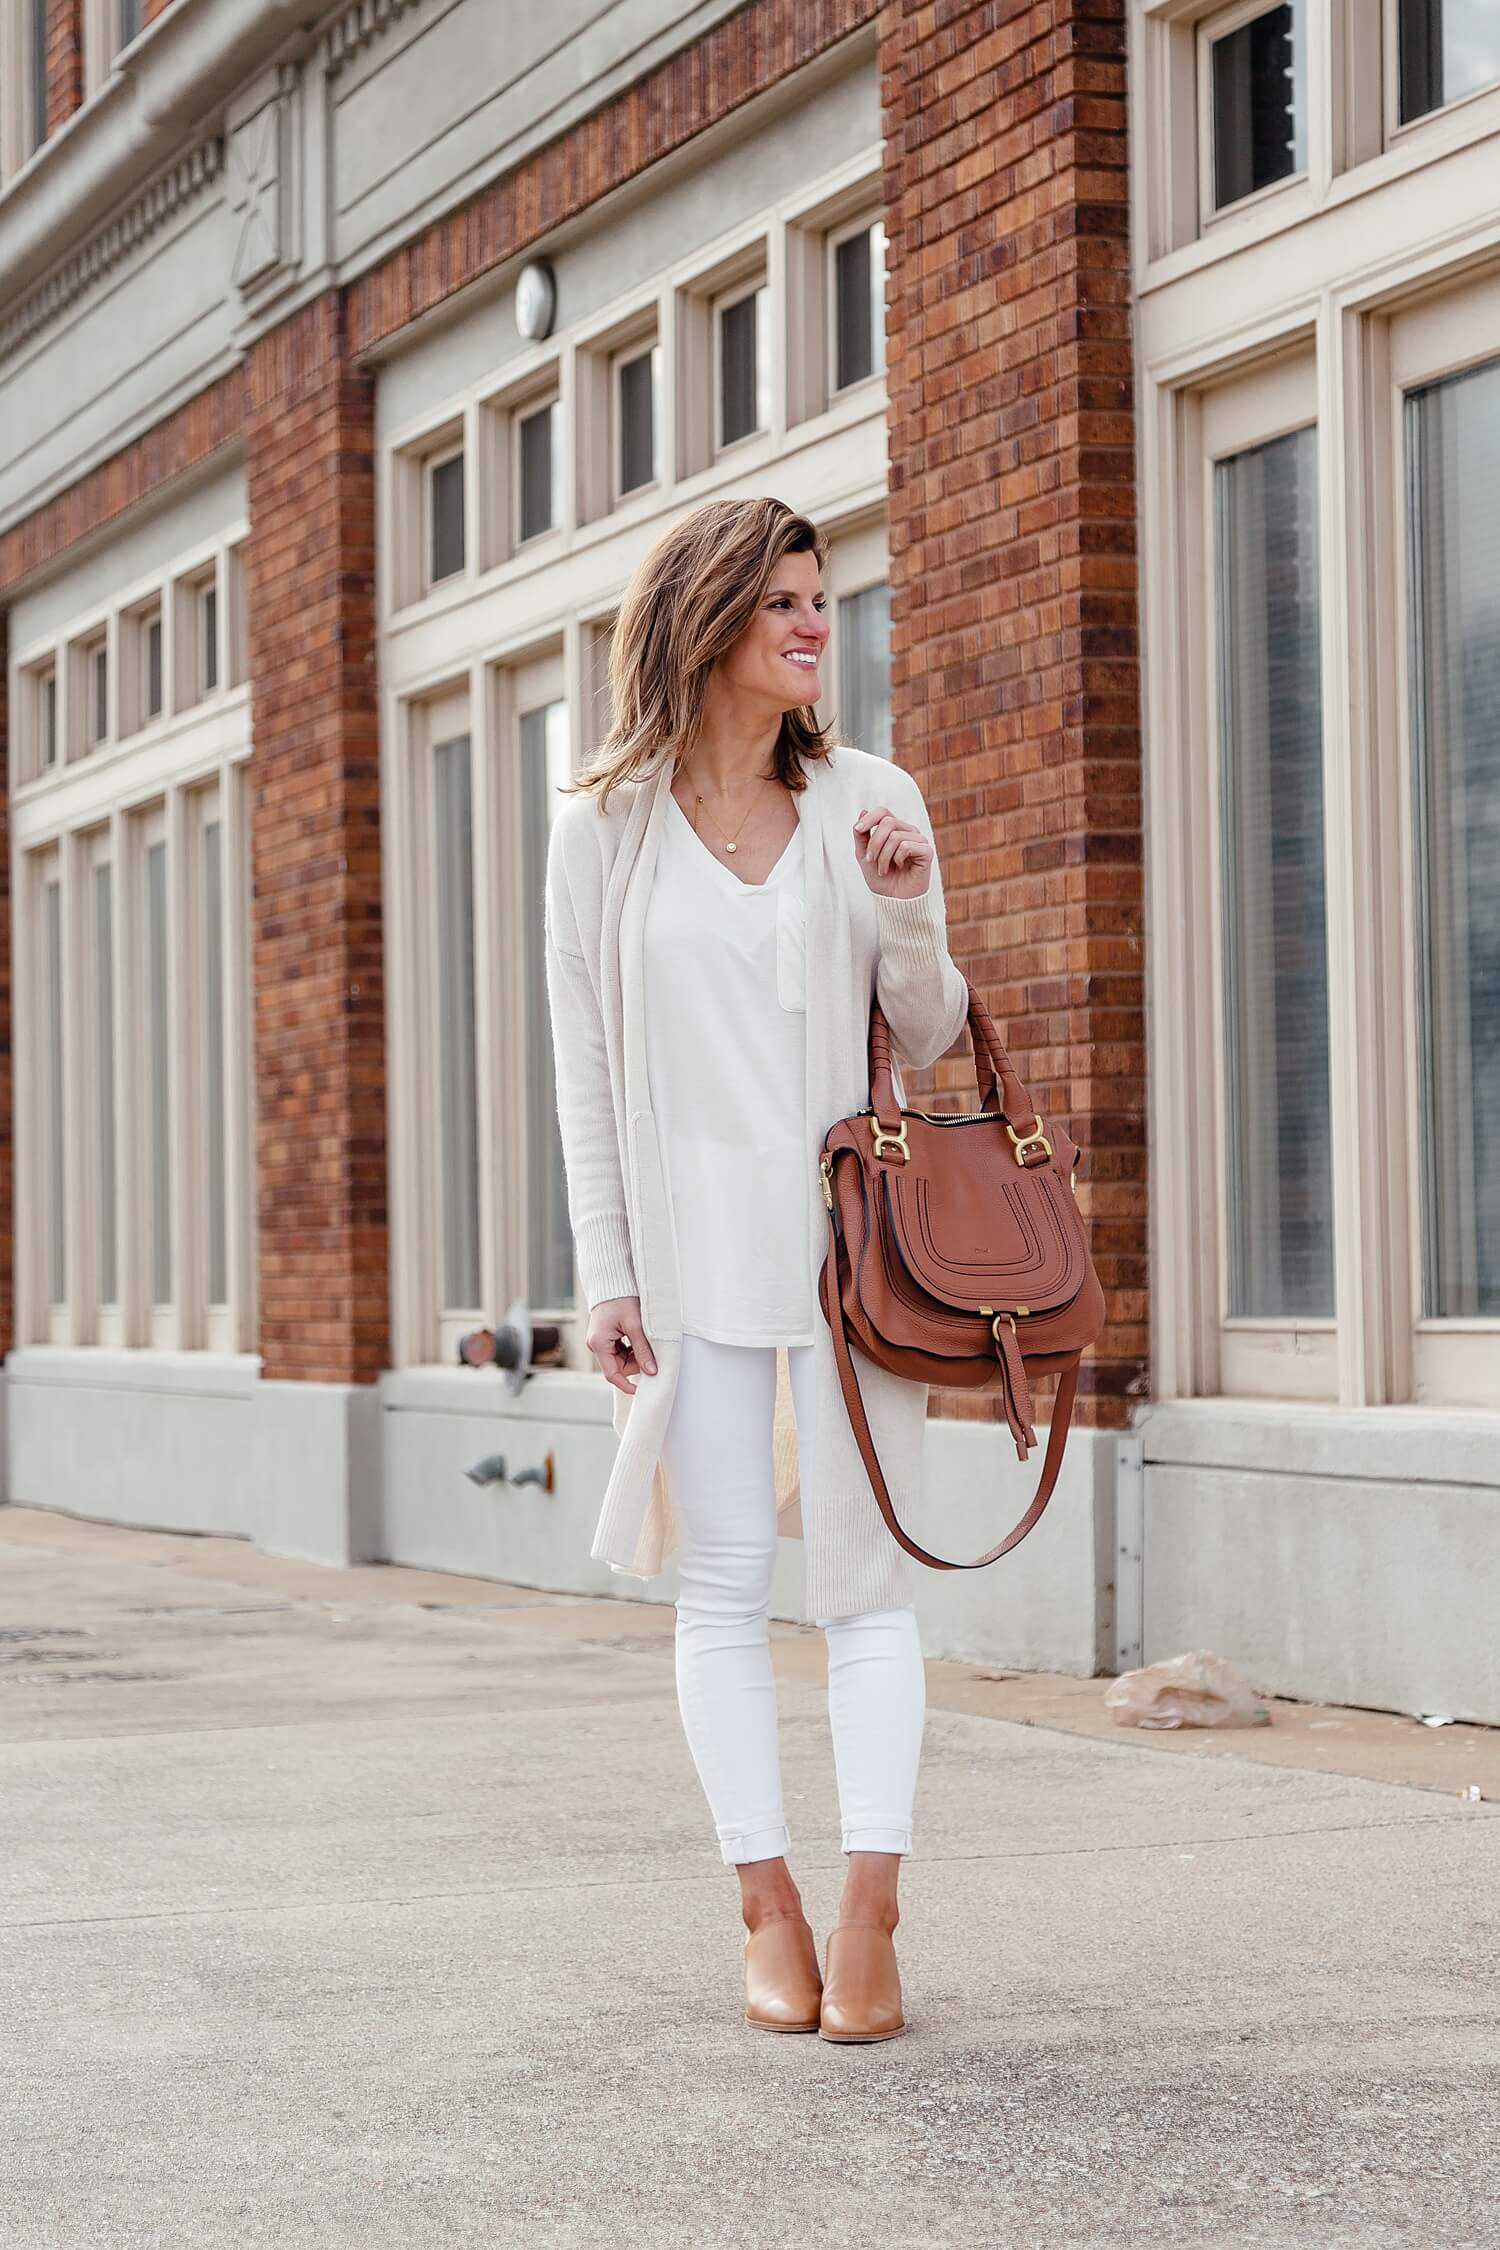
pixel 885 1140
pixel 1036 1138
pixel 825 1167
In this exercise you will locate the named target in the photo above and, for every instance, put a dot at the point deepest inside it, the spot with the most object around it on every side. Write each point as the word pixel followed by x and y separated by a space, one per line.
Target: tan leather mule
pixel 861 1985
pixel 783 1990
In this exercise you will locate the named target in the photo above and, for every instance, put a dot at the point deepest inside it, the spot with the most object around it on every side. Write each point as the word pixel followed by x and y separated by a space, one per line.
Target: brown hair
pixel 689 601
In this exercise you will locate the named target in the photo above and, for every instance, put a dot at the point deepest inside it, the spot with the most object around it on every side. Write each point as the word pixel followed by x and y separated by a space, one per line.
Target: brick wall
pixel 316 913
pixel 64 60
pixel 1012 533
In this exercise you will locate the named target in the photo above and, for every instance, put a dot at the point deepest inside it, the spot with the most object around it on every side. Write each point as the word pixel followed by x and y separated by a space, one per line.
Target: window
pixel 545 763
pixel 36 57
pixel 744 365
pixel 152 1043
pixel 452 878
pixel 864 626
pixel 637 406
pixel 106 1186
pixel 90 703
pixel 1274 943
pixel 209 910
pixel 54 1020
pixel 153 986
pixel 1254 105
pixel 445 516
pixel 858 297
pixel 40 738
pixel 1446 49
pixel 208 635
pixel 1453 474
pixel 153 667
pixel 141 655
pixel 538 470
pixel 129 21
pixel 857 670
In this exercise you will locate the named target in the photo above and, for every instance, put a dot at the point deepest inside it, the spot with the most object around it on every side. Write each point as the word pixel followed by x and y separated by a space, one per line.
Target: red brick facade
pixel 64 60
pixel 316 914
pixel 1013 575
pixel 214 419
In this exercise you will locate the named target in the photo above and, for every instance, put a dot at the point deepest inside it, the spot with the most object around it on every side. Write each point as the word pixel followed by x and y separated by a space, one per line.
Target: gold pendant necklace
pixel 728 846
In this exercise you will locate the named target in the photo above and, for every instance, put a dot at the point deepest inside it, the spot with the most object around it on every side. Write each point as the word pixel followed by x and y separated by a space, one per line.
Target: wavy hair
pixel 688 602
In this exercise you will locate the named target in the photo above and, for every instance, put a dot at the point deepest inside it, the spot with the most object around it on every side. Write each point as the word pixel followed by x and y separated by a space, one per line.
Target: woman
pixel 726 888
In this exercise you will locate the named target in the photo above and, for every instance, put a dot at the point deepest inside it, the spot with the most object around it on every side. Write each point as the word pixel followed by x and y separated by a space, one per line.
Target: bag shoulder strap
pixel 1057 1438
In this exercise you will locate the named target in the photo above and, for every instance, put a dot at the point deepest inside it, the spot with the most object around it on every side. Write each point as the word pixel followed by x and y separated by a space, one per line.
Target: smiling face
pixel 776 659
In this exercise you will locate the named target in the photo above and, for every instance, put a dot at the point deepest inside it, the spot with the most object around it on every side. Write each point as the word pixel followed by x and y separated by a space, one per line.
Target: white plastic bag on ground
pixel 1197 1689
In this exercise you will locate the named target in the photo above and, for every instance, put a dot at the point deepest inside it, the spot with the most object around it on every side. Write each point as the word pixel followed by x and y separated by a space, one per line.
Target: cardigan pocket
pixel 791 950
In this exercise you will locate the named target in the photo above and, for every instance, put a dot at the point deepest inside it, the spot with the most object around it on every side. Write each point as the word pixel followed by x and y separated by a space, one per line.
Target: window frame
pixel 522 411
pixel 1394 127
pixel 103 805
pixel 646 345
pixel 724 301
pixel 1209 30
pixel 1445 1361
pixel 841 232
pixel 451 447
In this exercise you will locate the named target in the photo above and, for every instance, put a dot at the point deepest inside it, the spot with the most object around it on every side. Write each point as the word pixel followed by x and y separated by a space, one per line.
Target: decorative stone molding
pixel 136 224
pixel 263 201
pixel 356 29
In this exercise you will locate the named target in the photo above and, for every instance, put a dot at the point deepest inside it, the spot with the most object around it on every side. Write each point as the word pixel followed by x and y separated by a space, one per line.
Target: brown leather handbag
pixel 956 1255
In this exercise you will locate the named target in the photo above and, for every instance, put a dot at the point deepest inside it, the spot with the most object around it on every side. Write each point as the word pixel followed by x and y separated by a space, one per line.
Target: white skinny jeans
pixel 718 1450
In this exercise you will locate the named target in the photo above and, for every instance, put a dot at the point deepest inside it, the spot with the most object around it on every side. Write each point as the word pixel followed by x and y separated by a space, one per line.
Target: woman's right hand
pixel 618 1341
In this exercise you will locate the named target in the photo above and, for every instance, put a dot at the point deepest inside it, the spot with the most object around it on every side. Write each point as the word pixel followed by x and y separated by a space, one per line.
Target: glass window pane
pixel 1278 1159
pixel 99 675
pixel 458 1106
pixel 545 763
pixel 209 623
pixel 158 1074
pixel 153 668
pixel 213 1059
pixel 446 500
pixel 744 368
pixel 538 456
pixel 1449 48
pixel 638 420
pixel 864 716
pixel 1256 109
pixel 130 20
pixel 104 1076
pixel 49 719
pixel 38 59
pixel 854 320
pixel 57 1281
pixel 1453 455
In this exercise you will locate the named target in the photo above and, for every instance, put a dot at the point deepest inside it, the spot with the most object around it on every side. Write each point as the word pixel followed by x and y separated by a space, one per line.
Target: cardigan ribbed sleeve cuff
pixel 911 932
pixel 920 988
pixel 606 1266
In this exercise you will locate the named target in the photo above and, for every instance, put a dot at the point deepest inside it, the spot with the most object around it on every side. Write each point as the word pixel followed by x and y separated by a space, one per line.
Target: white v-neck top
pixel 726 1059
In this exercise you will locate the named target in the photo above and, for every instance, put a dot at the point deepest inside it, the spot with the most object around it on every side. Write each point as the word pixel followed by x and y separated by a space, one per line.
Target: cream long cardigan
pixel 599 871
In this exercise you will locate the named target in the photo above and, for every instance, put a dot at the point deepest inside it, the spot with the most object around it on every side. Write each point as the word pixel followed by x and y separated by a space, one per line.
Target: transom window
pixel 1254 110
pixel 1447 50
pixel 538 470
pixel 742 330
pixel 858 297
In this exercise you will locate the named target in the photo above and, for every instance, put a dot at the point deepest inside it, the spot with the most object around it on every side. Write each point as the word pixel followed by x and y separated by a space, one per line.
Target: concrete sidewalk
pixel 373 1908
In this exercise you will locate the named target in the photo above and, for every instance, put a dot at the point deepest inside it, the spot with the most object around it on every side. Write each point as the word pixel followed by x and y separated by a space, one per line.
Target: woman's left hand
pixel 894 857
